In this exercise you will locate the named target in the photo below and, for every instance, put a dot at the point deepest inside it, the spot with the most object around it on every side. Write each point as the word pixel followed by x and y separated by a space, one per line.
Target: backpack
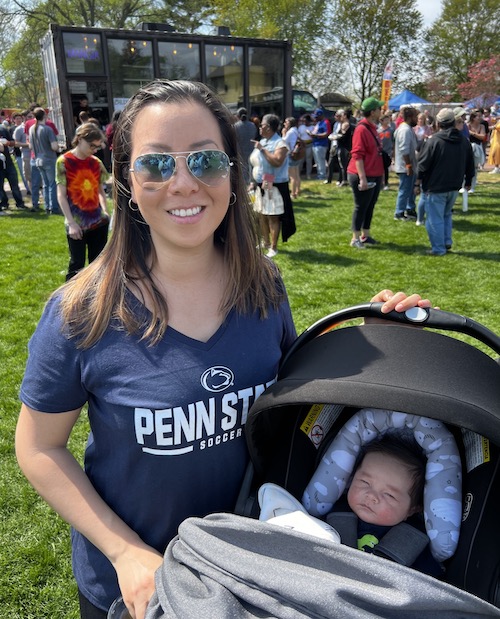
pixel 299 150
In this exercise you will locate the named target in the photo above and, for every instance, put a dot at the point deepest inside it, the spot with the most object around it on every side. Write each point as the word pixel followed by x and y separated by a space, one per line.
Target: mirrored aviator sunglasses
pixel 152 171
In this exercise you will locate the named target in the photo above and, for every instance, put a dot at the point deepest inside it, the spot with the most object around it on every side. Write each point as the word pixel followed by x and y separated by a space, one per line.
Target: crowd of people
pixel 360 150
pixel 357 150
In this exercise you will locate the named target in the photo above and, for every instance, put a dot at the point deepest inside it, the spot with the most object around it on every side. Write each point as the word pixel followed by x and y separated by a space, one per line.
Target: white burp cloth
pixel 279 507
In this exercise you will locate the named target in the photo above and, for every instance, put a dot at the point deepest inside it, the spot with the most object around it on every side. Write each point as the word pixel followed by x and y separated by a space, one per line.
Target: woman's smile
pixel 186 212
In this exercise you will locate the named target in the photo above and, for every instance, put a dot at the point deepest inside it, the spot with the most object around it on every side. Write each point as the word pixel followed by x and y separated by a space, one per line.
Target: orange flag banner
pixel 386 91
pixel 387 83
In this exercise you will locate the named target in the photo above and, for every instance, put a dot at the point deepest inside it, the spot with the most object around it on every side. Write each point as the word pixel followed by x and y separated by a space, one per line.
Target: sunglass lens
pixel 210 167
pixel 154 170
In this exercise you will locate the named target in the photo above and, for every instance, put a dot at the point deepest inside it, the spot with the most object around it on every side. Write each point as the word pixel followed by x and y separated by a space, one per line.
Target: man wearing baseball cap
pixel 365 172
pixel 444 161
pixel 461 117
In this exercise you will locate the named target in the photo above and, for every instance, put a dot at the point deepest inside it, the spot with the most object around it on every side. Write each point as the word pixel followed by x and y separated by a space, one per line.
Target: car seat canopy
pixel 388 367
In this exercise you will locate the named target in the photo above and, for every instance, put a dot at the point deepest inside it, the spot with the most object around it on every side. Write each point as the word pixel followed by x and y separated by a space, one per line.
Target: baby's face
pixel 380 490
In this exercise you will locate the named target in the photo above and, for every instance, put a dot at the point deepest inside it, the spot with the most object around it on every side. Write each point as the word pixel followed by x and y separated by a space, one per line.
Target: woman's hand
pixel 399 301
pixel 136 569
pixel 41 449
pixel 74 231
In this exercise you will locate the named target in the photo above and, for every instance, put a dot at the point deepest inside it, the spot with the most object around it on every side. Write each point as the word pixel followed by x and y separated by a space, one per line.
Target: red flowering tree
pixel 484 79
pixel 437 88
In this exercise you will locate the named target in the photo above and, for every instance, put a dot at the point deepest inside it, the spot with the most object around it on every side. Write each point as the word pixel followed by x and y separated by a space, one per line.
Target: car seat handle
pixel 416 316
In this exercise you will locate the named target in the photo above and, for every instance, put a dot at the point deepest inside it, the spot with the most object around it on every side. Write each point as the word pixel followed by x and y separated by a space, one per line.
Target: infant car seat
pixel 330 374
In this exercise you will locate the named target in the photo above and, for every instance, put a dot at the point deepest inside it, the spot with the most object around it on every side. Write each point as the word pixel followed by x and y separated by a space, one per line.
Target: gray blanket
pixel 228 567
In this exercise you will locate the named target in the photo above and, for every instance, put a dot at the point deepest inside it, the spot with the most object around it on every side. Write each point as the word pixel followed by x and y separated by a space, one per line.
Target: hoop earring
pixel 130 202
pixel 233 199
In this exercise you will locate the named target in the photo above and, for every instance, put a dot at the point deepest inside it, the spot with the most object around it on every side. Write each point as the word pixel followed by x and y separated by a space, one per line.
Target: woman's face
pixel 184 213
pixel 265 130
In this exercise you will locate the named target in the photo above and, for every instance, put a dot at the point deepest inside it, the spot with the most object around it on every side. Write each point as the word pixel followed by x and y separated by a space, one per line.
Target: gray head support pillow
pixel 443 473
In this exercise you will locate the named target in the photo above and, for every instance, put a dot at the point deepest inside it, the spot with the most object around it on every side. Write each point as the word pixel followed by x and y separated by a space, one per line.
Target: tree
pixel 466 32
pixel 28 20
pixel 436 88
pixel 483 79
pixel 23 71
pixel 323 72
pixel 366 35
pixel 299 22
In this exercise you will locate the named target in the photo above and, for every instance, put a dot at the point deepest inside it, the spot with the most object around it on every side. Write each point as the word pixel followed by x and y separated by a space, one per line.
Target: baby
pixel 386 490
pixel 388 483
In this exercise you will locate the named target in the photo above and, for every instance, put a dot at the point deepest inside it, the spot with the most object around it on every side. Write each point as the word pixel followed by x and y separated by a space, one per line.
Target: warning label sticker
pixel 477 449
pixel 319 420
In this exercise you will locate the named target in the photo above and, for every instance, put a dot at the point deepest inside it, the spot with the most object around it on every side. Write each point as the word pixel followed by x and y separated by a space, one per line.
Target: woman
pixel 43 143
pixel 305 123
pixel 80 178
pixel 365 172
pixel 494 153
pixel 422 130
pixel 477 137
pixel 386 135
pixel 169 335
pixel 291 135
pixel 344 145
pixel 272 175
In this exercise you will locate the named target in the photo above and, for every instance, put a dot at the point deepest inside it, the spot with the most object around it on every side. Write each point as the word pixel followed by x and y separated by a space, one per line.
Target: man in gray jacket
pixel 405 164
pixel 445 160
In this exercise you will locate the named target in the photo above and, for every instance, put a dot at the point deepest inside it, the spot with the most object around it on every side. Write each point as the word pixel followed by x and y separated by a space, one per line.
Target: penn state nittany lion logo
pixel 217 378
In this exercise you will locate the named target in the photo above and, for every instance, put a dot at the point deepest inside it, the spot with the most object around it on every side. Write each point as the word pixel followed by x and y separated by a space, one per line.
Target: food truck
pixel 106 66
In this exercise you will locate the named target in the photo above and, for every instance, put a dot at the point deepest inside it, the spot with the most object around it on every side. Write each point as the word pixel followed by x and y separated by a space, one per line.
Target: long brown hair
pixel 39 116
pixel 89 132
pixel 97 295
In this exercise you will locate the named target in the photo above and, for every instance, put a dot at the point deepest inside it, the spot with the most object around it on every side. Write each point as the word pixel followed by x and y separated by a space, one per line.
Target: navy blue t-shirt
pixel 166 421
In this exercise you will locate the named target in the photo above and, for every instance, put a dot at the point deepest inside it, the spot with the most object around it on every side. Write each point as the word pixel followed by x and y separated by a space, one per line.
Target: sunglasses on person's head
pixel 152 171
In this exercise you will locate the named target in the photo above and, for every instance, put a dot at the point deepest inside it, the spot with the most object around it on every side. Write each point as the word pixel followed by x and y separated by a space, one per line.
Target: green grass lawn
pixel 322 274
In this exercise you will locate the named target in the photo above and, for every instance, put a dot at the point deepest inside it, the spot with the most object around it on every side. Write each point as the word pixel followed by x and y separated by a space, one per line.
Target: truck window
pixel 303 102
pixel 224 66
pixel 179 61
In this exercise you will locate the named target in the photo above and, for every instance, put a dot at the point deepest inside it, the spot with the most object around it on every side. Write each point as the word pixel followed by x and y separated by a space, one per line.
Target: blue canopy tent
pixel 484 100
pixel 405 98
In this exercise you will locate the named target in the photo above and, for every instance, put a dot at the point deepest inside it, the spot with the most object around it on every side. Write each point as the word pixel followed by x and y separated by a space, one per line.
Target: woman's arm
pixel 344 128
pixel 103 201
pixel 480 134
pixel 277 158
pixel 42 453
pixel 74 230
pixel 360 169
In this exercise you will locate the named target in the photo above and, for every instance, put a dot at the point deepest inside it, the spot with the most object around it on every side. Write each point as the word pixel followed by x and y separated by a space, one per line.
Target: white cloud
pixel 430 9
